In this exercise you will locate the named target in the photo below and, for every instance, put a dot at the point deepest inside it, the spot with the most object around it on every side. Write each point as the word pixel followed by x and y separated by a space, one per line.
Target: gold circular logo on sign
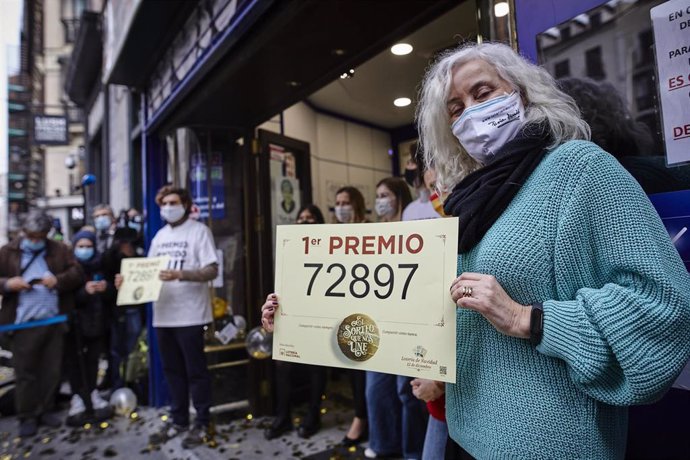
pixel 358 337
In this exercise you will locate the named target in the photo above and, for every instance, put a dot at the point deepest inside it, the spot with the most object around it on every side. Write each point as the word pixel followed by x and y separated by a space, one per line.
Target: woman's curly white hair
pixel 544 103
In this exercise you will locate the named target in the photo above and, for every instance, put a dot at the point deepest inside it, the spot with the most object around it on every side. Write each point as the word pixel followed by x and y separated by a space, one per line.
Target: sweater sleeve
pixel 624 330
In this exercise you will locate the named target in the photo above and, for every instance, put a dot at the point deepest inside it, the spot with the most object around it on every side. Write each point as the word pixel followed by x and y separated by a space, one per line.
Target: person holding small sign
pixel 181 312
pixel 572 302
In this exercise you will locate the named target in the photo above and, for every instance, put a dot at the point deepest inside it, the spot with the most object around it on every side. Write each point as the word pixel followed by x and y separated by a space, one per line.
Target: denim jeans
pixel 124 333
pixel 435 440
pixel 397 420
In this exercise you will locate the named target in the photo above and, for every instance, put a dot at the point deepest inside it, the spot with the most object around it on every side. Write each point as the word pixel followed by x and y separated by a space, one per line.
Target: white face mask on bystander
pixel 484 128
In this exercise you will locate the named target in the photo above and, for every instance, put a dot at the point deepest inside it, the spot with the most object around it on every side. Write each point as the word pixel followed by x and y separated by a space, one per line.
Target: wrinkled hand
pixel 118 281
pixel 268 311
pixel 17 284
pixel 49 281
pixel 170 275
pixel 427 390
pixel 483 294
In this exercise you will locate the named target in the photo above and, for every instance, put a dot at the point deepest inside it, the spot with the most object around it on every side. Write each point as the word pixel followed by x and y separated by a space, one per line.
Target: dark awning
pixel 154 25
pixel 85 61
pixel 292 50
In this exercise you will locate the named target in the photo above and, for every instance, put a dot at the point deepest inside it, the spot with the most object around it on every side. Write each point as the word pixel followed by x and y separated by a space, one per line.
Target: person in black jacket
pixel 86 339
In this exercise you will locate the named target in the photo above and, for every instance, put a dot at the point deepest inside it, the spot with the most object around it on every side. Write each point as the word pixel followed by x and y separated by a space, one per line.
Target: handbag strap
pixel 33 257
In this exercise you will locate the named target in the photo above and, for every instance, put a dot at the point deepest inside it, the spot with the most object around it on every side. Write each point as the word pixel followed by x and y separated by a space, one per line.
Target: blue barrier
pixel 30 324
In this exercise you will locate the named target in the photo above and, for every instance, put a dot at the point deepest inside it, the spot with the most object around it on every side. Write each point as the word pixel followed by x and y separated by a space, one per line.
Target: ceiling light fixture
pixel 349 74
pixel 402 102
pixel 501 9
pixel 401 49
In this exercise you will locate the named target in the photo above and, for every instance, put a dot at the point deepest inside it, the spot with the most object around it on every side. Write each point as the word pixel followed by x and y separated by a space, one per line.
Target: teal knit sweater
pixel 581 237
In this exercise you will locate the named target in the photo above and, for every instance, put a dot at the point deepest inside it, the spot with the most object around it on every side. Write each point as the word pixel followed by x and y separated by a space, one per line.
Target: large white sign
pixel 368 296
pixel 671 22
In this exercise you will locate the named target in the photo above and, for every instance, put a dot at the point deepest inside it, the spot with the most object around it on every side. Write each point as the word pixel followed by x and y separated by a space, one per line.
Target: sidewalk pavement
pixel 127 438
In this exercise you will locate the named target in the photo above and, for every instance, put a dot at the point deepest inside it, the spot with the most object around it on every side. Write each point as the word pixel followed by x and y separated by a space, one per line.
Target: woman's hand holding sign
pixel 483 294
pixel 268 311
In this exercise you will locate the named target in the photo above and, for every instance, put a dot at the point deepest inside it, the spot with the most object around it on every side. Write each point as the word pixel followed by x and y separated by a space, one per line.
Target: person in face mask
pixel 397 418
pixel 282 423
pixel 570 290
pixel 349 206
pixel 105 223
pixel 392 196
pixel 423 181
pixel 38 279
pixel 85 341
pixel 180 314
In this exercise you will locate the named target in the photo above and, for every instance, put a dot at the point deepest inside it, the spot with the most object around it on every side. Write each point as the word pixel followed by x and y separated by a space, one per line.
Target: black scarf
pixel 481 197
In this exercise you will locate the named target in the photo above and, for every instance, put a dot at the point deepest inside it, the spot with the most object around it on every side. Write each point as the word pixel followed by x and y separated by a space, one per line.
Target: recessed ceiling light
pixel 293 83
pixel 349 74
pixel 401 49
pixel 402 102
pixel 338 52
pixel 501 9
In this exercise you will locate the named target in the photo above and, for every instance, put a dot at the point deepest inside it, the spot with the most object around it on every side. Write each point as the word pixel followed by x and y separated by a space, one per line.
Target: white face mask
pixel 384 207
pixel 172 213
pixel 484 128
pixel 344 214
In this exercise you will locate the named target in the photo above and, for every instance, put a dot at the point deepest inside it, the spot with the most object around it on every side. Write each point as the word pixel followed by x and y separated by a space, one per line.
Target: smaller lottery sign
pixel 368 296
pixel 140 282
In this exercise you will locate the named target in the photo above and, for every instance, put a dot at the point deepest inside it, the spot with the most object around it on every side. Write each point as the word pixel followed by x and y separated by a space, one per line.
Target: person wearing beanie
pixel 85 341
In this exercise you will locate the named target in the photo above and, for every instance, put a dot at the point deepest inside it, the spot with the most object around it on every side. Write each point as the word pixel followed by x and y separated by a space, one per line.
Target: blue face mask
pixel 33 246
pixel 102 223
pixel 134 226
pixel 83 254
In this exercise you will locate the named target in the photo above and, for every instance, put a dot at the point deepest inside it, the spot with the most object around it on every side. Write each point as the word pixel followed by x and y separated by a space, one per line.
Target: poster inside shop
pixel 206 185
pixel 671 23
pixel 286 200
pixel 285 191
pixel 368 296
pixel 140 281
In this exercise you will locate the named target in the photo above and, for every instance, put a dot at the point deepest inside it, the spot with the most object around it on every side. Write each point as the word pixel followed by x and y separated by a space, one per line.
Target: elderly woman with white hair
pixel 572 301
pixel 38 279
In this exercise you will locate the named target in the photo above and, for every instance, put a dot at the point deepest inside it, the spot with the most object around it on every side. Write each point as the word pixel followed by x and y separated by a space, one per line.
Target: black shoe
pixel 168 431
pixel 197 436
pixel 28 428
pixel 103 414
pixel 80 419
pixel 50 419
pixel 306 431
pixel 277 429
pixel 349 442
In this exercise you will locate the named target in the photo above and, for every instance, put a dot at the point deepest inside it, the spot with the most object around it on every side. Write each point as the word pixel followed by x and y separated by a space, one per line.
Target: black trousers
pixel 92 347
pixel 358 380
pixel 37 359
pixel 185 369
pixel 317 385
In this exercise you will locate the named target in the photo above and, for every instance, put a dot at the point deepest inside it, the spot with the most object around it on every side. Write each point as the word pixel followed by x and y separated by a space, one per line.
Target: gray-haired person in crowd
pixel 38 279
